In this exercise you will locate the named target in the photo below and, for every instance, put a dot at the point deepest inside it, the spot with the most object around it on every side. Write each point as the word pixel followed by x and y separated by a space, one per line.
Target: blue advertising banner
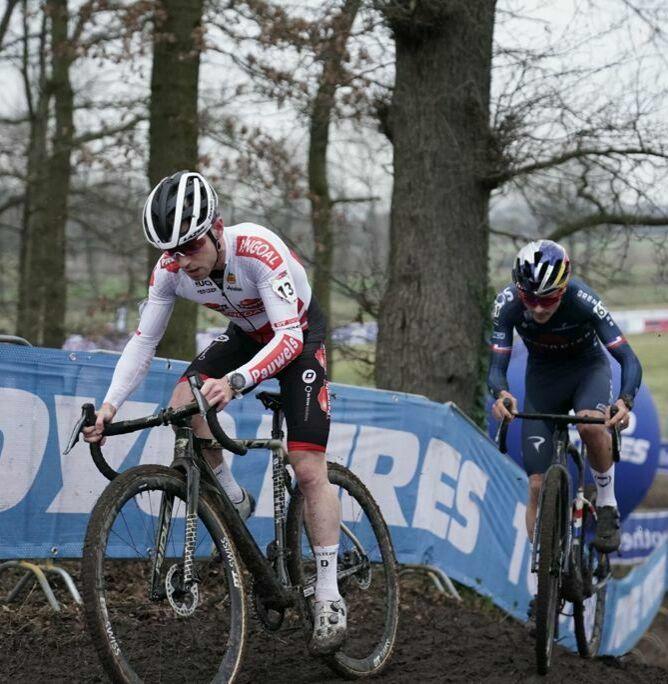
pixel 449 497
pixel 663 458
pixel 642 532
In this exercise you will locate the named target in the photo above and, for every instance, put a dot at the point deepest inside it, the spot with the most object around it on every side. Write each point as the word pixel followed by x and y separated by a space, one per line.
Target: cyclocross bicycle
pixel 163 583
pixel 569 568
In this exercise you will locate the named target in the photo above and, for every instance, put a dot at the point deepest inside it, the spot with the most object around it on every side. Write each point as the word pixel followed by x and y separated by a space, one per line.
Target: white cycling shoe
pixel 329 626
pixel 246 506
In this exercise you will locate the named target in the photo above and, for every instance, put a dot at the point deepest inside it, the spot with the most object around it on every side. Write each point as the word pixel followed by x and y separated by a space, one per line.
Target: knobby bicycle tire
pixel 588 615
pixel 549 569
pixel 110 648
pixel 380 650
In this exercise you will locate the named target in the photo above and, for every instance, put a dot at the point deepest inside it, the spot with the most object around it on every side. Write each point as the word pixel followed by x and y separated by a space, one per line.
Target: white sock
pixel 605 486
pixel 228 483
pixel 326 587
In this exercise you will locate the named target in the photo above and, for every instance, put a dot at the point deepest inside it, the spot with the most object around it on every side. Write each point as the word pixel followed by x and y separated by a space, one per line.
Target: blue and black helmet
pixel 541 267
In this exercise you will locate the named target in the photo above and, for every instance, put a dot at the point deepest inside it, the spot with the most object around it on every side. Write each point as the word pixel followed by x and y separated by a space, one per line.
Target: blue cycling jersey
pixel 572 335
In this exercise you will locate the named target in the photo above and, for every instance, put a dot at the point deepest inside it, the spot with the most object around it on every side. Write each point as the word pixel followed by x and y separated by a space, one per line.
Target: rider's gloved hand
pixel 620 418
pixel 93 433
pixel 499 411
pixel 218 392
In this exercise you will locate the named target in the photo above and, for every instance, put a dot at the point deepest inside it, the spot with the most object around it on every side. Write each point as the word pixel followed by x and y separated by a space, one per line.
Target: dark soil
pixel 439 640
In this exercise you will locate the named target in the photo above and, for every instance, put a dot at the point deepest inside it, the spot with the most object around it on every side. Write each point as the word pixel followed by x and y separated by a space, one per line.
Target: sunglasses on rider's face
pixel 188 249
pixel 546 301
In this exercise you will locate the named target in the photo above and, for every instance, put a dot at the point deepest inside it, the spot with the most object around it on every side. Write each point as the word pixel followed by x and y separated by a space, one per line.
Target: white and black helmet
pixel 185 196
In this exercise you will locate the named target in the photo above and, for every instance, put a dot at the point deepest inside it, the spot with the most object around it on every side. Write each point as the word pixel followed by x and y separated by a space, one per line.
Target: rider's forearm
pixel 130 370
pixel 631 368
pixel 284 347
pixel 496 375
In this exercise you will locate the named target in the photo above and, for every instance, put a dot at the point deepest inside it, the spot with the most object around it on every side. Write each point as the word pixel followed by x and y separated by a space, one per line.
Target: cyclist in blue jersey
pixel 564 326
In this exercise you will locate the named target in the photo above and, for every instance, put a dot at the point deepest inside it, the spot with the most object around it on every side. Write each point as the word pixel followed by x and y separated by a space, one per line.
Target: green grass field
pixel 651 348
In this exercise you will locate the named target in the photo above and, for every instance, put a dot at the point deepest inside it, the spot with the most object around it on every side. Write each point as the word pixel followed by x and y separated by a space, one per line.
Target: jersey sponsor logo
pixel 288 323
pixel 321 356
pixel 503 297
pixel 251 303
pixel 169 263
pixel 600 310
pixel 308 376
pixel 498 335
pixel 231 279
pixel 258 248
pixel 323 399
pixel 287 349
pixel 537 441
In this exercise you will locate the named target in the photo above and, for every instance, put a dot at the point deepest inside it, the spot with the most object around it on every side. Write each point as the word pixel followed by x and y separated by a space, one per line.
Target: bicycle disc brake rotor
pixel 183 601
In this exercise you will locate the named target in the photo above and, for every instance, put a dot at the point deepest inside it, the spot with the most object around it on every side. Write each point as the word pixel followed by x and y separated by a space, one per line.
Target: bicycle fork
pixel 183 447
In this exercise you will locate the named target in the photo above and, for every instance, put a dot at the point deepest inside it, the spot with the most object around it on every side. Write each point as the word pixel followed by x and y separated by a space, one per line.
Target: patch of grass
pixel 652 350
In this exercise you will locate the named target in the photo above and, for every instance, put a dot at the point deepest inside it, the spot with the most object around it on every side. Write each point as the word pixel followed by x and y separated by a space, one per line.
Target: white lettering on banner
pixel 402 449
pixel 472 480
pixel 82 482
pixel 159 447
pixel 520 544
pixel 24 423
pixel 638 605
pixel 443 459
pixel 440 459
pixel 340 442
pixel 634 450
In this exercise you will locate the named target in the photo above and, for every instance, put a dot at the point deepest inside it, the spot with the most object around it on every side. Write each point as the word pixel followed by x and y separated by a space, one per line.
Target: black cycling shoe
pixel 608 536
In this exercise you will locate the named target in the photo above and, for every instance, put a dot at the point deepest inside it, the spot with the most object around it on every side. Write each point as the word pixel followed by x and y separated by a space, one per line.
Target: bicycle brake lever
pixel 87 418
pixel 195 385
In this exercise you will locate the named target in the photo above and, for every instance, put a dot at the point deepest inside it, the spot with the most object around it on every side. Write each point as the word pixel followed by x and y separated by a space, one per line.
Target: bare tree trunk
pixel 173 131
pixel 58 185
pixel 33 243
pixel 433 313
pixel 321 203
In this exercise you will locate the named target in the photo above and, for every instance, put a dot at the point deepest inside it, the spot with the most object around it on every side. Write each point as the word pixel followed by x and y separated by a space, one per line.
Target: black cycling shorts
pixel 304 384
pixel 558 388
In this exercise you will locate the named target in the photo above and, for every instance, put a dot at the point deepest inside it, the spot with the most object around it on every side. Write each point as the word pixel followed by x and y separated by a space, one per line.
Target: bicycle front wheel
pixel 588 614
pixel 146 621
pixel 367 575
pixel 549 568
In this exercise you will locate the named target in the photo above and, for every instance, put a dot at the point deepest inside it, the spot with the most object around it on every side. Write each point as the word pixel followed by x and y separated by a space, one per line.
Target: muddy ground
pixel 439 640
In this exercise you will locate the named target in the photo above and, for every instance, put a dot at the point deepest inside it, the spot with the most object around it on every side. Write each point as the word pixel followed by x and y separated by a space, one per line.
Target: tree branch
pixel 496 180
pixel 112 130
pixel 604 218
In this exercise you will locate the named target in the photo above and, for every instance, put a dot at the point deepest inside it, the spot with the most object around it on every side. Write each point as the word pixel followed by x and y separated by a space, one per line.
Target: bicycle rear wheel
pixel 367 575
pixel 588 615
pixel 549 568
pixel 138 633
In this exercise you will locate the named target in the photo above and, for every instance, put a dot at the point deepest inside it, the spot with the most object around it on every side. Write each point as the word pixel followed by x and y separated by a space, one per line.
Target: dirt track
pixel 439 640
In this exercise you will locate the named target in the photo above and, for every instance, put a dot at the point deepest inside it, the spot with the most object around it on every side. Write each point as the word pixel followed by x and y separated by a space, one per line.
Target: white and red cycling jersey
pixel 263 290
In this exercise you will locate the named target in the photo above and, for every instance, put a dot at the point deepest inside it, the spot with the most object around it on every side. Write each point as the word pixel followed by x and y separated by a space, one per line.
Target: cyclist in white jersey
pixel 248 274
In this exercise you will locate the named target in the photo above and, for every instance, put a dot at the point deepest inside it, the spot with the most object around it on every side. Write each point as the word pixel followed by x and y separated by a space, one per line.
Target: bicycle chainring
pixel 183 600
